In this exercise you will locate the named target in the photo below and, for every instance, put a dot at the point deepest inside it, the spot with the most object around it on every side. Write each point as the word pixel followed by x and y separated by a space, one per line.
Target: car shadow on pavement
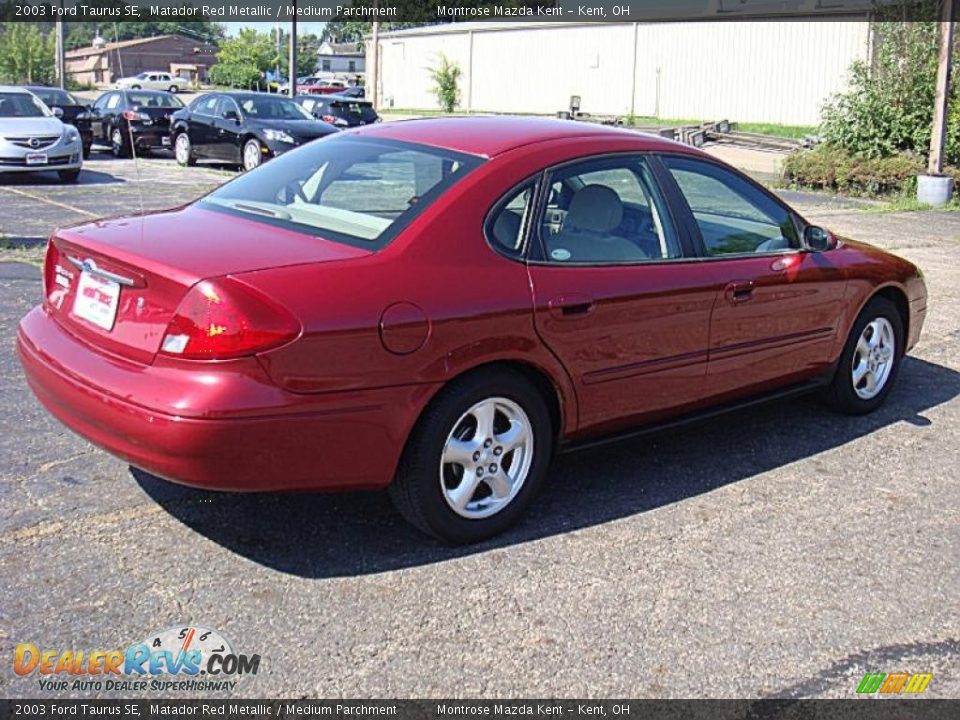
pixel 45 178
pixel 319 535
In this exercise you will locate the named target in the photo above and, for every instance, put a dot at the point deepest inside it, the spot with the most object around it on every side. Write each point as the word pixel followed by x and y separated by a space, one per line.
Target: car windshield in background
pixel 356 191
pixel 53 97
pixel 153 99
pixel 273 108
pixel 20 105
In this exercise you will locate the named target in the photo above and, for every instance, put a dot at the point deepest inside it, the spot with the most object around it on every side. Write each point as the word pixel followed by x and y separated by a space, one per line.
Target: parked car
pixel 72 111
pixel 33 139
pixel 242 128
pixel 127 119
pixel 439 305
pixel 339 110
pixel 353 91
pixel 320 86
pixel 154 80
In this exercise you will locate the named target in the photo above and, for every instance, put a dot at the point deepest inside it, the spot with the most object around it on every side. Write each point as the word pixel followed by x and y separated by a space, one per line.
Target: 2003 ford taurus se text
pixel 439 305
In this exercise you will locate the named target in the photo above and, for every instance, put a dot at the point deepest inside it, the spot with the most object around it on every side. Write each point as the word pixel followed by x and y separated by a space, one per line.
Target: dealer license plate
pixel 97 300
pixel 36 158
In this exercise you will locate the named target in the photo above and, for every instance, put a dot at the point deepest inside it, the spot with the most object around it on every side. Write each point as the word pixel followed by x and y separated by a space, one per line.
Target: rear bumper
pixel 221 426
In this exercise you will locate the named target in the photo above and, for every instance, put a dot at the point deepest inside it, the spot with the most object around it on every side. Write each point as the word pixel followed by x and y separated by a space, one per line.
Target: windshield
pixel 356 191
pixel 21 105
pixel 52 96
pixel 273 108
pixel 153 99
pixel 143 76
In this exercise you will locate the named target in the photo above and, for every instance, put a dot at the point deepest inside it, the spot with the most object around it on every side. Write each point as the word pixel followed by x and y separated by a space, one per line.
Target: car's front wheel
pixel 870 360
pixel 174 89
pixel 252 156
pixel 183 149
pixel 476 458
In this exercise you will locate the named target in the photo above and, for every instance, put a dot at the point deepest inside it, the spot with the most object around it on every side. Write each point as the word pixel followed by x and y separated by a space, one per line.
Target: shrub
pixel 828 167
pixel 446 79
pixel 888 107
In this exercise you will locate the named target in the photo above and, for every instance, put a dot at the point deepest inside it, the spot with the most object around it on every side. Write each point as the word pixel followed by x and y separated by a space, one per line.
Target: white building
pixel 747 71
pixel 340 58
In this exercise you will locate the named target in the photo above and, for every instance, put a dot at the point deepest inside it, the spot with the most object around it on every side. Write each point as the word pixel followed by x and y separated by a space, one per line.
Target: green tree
pixel 446 83
pixel 242 60
pixel 26 54
pixel 888 107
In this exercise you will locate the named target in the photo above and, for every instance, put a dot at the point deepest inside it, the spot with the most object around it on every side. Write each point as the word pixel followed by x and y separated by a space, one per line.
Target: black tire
pixel 86 152
pixel 174 89
pixel 841 394
pixel 119 149
pixel 135 87
pixel 189 159
pixel 68 176
pixel 416 490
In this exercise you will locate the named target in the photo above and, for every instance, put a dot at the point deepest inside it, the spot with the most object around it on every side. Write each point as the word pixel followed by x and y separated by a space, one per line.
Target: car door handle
pixel 739 291
pixel 571 306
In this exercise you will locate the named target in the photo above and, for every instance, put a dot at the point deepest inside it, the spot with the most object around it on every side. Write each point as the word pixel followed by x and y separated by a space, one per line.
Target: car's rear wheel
pixel 119 145
pixel 68 176
pixel 183 149
pixel 870 360
pixel 86 152
pixel 252 156
pixel 476 458
pixel 174 89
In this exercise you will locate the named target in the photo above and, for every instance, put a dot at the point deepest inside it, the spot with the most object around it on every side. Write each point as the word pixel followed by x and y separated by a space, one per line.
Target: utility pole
pixel 293 52
pixel 940 113
pixel 373 74
pixel 61 53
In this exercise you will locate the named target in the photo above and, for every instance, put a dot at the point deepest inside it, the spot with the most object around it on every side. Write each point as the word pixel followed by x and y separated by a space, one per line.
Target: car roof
pixel 14 89
pixel 492 135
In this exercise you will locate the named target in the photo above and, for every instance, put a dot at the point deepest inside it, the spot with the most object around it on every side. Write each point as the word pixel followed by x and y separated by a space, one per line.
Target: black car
pixel 242 128
pixel 339 110
pixel 72 111
pixel 127 119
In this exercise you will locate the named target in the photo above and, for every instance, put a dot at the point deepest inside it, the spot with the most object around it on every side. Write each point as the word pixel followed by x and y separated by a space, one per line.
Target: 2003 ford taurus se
pixel 439 305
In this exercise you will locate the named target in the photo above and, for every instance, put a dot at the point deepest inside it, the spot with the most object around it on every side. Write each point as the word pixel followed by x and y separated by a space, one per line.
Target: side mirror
pixel 57 112
pixel 819 240
pixel 231 115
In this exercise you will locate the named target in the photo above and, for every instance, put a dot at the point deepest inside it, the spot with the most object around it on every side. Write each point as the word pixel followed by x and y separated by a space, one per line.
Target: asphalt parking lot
pixel 779 552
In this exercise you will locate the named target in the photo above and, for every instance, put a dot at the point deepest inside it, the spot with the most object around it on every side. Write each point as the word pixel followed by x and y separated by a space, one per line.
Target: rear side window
pixel 353 190
pixel 734 216
pixel 507 225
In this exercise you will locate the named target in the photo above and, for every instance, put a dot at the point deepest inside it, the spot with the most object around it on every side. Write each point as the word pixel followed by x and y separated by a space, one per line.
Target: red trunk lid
pixel 155 259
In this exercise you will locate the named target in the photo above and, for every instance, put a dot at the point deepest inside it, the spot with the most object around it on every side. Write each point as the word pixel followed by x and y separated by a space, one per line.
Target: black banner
pixel 863 709
pixel 436 11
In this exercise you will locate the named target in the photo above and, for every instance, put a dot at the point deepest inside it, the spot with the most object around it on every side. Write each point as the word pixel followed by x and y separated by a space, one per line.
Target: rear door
pixel 227 132
pixel 777 314
pixel 617 297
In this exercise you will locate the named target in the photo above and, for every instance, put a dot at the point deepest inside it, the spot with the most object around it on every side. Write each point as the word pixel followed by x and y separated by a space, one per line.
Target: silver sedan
pixel 33 139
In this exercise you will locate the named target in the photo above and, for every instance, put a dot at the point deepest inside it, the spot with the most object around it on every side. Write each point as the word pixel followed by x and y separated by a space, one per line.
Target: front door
pixel 617 296
pixel 776 317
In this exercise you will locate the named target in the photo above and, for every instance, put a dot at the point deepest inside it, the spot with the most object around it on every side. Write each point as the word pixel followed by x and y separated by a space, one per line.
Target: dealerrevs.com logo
pixel 192 658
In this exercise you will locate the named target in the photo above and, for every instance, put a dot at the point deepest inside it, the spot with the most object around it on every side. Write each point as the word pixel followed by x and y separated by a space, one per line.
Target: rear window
pixel 156 100
pixel 352 190
pixel 351 107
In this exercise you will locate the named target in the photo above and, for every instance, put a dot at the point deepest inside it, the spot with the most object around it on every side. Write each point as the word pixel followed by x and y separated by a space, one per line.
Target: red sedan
pixel 438 306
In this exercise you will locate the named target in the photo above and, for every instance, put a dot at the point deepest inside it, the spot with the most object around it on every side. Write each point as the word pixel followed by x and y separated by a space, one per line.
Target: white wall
pixel 748 71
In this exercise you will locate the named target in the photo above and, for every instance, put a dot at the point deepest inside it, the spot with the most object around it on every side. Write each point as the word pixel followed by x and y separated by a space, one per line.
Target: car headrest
pixel 595 208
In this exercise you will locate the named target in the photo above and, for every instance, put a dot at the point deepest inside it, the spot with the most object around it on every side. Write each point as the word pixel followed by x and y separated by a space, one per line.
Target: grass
pixel 909 203
pixel 796 132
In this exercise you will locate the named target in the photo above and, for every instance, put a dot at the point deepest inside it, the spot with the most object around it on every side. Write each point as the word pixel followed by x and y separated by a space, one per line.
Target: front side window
pixel 351 190
pixel 734 217
pixel 607 211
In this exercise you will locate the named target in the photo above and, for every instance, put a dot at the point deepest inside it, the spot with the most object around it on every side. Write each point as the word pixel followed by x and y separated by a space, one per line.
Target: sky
pixel 305 28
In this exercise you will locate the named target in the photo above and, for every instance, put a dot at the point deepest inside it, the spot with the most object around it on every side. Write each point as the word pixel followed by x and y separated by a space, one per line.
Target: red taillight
pixel 131 115
pixel 328 118
pixel 226 318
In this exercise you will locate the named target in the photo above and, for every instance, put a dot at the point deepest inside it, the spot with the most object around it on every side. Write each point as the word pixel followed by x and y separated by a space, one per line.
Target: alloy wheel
pixel 182 148
pixel 873 358
pixel 251 155
pixel 486 458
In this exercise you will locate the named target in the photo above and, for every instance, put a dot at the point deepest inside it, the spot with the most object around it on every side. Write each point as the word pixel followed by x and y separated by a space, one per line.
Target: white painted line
pixel 48 201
